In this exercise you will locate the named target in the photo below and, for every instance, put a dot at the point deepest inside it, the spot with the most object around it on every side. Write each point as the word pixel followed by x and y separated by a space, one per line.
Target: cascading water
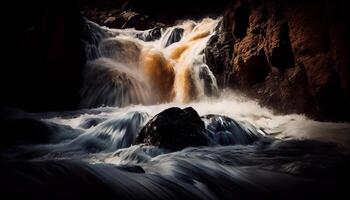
pixel 130 69
pixel 133 75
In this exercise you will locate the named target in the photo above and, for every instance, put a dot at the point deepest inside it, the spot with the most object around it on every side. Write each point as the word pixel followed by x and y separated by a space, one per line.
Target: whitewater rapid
pixel 129 80
pixel 293 155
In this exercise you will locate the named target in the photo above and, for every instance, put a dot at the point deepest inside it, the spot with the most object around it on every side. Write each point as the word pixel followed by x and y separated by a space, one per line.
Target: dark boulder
pixel 174 129
pixel 137 21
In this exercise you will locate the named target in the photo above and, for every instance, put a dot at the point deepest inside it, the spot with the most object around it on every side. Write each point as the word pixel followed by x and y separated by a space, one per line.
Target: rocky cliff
pixel 292 56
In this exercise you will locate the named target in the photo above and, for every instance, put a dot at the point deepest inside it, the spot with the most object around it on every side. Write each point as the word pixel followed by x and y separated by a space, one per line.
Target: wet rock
pixel 278 50
pixel 137 21
pixel 250 63
pixel 210 87
pixel 170 11
pixel 287 94
pixel 226 131
pixel 175 36
pixel 92 37
pixel 114 22
pixel 218 55
pixel 174 129
pixel 150 35
pixel 115 18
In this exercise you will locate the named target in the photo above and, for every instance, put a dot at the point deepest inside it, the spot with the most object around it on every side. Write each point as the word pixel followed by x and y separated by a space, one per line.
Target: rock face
pixel 174 129
pixel 165 12
pixel 291 55
pixel 116 18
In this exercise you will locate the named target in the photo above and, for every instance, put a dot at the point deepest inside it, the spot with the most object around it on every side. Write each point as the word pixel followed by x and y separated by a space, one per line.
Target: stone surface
pixel 175 36
pixel 121 19
pixel 174 129
pixel 291 55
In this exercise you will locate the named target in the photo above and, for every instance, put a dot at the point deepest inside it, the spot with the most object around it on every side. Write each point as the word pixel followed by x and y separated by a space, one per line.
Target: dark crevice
pixel 241 21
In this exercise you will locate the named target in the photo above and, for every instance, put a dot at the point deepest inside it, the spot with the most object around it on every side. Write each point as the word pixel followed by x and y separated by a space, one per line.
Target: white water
pixel 129 74
pixel 136 80
pixel 129 70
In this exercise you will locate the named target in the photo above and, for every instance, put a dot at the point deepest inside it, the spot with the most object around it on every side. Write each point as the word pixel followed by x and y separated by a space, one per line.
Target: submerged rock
pixel 174 129
pixel 150 35
pixel 175 36
pixel 226 131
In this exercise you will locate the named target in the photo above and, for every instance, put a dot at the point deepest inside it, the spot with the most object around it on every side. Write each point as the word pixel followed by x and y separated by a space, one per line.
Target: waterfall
pixel 130 77
pixel 147 67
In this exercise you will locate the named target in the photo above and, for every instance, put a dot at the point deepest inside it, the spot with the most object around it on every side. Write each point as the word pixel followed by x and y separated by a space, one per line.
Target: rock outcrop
pixel 116 18
pixel 291 55
pixel 165 12
pixel 174 129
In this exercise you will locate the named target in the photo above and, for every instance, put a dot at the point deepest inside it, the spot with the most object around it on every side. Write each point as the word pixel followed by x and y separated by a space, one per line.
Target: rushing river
pixel 133 75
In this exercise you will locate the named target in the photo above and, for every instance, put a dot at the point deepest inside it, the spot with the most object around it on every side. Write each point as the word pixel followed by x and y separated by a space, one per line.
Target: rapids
pixel 133 75
pixel 126 68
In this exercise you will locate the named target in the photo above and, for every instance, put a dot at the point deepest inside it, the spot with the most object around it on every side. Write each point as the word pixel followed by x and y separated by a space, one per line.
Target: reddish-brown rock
pixel 291 55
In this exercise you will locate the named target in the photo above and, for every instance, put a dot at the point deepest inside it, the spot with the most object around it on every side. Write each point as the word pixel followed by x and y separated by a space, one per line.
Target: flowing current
pixel 126 68
pixel 133 75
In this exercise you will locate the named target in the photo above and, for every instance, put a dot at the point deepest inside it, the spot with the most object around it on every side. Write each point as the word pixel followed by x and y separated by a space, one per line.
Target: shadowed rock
pixel 290 55
pixel 174 129
pixel 226 131
pixel 175 36
pixel 150 35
